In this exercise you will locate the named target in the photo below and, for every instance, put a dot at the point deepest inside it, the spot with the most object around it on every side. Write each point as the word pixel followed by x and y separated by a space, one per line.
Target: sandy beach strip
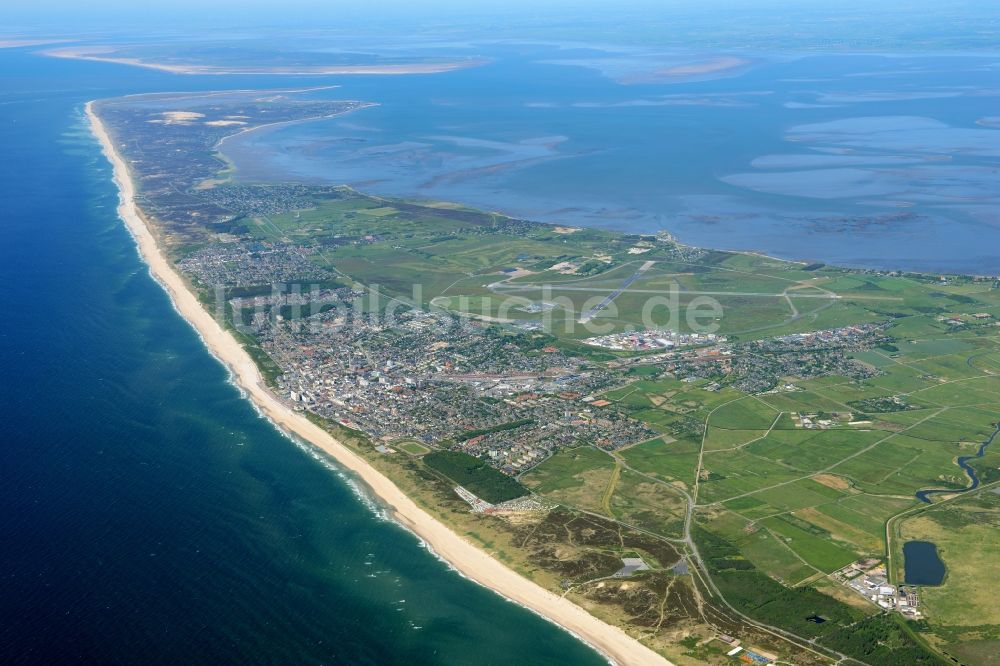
pixel 474 563
pixel 17 42
pixel 98 54
pixel 720 64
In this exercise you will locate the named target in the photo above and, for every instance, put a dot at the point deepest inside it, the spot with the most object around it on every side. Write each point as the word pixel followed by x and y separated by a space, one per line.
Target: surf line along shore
pixel 467 558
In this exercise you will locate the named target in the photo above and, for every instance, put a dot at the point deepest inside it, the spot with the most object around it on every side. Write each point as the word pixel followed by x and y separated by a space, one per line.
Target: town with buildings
pixel 438 378
pixel 492 392
pixel 868 578
pixel 653 339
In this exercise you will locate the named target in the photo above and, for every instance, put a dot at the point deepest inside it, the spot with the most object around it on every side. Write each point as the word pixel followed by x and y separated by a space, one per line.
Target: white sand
pixel 18 43
pixel 709 67
pixel 181 117
pixel 106 54
pixel 463 555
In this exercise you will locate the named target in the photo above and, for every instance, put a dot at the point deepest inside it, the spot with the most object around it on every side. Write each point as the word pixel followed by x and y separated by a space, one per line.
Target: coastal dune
pixel 473 562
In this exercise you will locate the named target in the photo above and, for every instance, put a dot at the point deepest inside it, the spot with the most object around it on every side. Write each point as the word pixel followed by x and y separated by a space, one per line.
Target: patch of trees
pixel 882 640
pixel 475 476
pixel 881 405
pixel 510 425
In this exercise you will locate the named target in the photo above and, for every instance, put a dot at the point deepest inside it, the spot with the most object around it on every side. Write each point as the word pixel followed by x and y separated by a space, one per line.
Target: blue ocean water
pixel 148 515
pixel 874 160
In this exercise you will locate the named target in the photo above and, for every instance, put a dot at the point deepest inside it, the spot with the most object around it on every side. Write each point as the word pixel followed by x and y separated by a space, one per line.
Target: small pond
pixel 922 564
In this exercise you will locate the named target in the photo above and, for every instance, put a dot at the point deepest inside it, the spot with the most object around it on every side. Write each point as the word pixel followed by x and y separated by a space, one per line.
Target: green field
pixel 576 477
pixel 413 447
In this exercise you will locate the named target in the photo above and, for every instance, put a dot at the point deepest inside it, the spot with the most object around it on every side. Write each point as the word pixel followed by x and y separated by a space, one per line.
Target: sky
pixel 281 11
pixel 52 12
pixel 624 19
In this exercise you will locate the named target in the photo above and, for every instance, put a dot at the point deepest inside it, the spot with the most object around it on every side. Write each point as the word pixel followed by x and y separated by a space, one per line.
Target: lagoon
pixel 881 161
pixel 922 564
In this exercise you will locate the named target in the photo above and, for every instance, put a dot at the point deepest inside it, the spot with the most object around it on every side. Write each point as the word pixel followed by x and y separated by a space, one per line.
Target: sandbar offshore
pixel 472 562
pixel 106 54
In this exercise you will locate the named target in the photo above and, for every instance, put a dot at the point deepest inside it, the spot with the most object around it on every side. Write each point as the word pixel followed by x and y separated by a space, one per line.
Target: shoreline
pixel 306 70
pixel 17 43
pixel 470 561
pixel 283 123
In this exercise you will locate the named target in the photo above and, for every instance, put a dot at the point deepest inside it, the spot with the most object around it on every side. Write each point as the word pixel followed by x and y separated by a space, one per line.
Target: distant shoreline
pixel 17 43
pixel 468 559
pixel 95 55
